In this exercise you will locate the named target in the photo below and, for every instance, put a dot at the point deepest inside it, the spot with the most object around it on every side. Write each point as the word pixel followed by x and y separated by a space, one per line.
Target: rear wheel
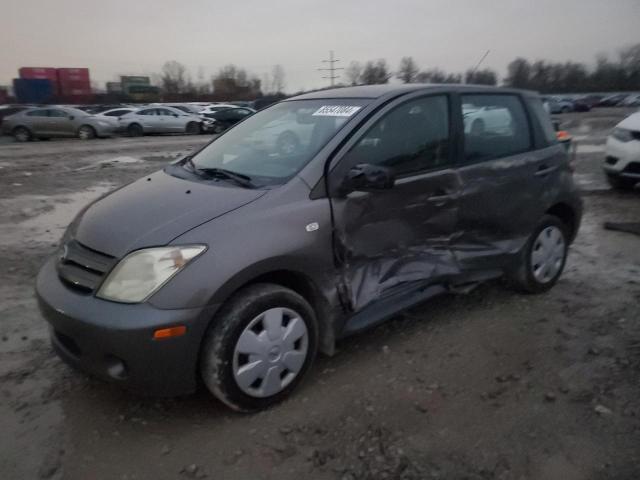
pixel 21 134
pixel 86 132
pixel 621 183
pixel 193 128
pixel 543 258
pixel 217 129
pixel 259 347
pixel 135 130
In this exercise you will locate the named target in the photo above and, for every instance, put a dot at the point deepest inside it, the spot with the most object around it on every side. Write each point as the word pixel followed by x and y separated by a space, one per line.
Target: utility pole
pixel 331 68
pixel 475 69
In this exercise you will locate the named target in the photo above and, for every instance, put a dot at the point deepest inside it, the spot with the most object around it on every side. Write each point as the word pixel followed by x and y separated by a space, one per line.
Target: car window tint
pixel 146 112
pixel 117 113
pixel 412 137
pixel 495 126
pixel 58 113
pixel 165 112
pixel 38 113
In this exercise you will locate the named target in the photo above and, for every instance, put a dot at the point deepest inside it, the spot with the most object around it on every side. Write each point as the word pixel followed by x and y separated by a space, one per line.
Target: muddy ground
pixel 488 385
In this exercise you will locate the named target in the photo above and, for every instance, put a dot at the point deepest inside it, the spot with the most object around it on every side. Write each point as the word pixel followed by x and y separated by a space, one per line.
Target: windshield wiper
pixel 239 178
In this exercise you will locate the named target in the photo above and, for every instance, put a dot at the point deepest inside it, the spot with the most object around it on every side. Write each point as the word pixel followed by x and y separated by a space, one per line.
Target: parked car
pixel 56 121
pixel 216 108
pixel 10 110
pixel 113 115
pixel 632 100
pixel 480 120
pixel 612 100
pixel 590 100
pixel 622 161
pixel 237 265
pixel 227 117
pixel 558 105
pixel 160 120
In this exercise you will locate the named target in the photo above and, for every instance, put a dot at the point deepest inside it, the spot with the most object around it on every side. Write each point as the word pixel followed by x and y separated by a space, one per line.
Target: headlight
pixel 622 134
pixel 140 274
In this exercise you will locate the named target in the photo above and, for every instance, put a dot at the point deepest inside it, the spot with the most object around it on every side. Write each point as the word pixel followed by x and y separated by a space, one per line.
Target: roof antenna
pixel 480 62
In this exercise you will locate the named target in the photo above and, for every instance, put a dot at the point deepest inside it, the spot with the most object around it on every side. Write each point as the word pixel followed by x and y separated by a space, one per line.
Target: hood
pixel 631 123
pixel 153 211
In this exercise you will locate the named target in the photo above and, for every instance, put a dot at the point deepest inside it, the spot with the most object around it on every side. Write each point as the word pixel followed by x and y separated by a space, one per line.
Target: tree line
pixel 620 73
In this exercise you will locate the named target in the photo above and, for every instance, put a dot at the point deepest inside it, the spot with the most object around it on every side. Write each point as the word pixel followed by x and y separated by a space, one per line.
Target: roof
pixel 377 91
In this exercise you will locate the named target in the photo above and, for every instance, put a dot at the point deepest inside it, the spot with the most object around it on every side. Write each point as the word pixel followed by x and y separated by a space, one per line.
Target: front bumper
pixel 114 341
pixel 622 158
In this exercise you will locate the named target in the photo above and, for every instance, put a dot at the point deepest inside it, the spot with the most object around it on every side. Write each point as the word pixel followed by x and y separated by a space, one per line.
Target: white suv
pixel 622 162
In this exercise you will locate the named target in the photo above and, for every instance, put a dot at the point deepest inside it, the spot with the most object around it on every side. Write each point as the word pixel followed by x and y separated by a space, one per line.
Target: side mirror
pixel 365 177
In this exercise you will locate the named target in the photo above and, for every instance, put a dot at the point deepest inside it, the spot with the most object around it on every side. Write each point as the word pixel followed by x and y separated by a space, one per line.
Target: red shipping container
pixel 73 75
pixel 42 73
pixel 70 88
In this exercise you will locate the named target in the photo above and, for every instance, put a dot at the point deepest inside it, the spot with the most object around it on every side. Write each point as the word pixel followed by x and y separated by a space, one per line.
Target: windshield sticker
pixel 336 111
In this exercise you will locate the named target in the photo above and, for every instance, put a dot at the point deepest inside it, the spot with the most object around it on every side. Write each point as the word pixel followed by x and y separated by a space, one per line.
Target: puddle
pixel 46 217
pixel 121 160
pixel 591 148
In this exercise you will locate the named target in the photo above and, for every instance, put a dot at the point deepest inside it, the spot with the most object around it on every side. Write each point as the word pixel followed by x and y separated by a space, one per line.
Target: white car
pixel 216 108
pixel 113 116
pixel 161 120
pixel 622 161
pixel 486 120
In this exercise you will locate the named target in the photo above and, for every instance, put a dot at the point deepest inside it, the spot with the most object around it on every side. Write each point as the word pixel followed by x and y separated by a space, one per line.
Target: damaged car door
pixel 394 196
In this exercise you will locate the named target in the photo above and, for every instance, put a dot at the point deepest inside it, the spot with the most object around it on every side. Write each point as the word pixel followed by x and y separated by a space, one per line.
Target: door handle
pixel 544 170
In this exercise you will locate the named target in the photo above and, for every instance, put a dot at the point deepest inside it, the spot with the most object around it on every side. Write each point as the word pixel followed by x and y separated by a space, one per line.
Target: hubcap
pixel 270 352
pixel 547 254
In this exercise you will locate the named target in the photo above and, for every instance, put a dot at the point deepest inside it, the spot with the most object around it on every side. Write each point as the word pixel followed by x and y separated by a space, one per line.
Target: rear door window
pixel 495 126
pixel 545 133
pixel 38 113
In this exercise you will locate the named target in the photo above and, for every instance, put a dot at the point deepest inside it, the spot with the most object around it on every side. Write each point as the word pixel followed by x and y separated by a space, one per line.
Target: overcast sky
pixel 114 37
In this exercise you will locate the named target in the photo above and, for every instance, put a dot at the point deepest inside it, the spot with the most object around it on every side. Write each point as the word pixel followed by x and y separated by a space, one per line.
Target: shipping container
pixel 41 73
pixel 33 90
pixel 73 75
pixel 4 95
pixel 130 81
pixel 114 87
pixel 74 87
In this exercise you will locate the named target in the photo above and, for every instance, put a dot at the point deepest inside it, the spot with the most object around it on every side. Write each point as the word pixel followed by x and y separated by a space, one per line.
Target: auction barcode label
pixel 336 111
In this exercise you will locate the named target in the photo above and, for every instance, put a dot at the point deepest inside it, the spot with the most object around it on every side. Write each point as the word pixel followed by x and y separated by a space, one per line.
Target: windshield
pixel 271 146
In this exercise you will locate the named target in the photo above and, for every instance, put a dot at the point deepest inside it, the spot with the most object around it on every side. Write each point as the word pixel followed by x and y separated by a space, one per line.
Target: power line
pixel 331 68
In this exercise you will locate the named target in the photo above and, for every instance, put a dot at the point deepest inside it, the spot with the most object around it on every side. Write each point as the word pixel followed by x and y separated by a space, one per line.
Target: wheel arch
pixel 568 215
pixel 295 280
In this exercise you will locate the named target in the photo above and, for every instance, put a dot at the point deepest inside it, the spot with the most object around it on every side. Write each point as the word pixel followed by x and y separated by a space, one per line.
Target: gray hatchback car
pixel 239 263
pixel 56 121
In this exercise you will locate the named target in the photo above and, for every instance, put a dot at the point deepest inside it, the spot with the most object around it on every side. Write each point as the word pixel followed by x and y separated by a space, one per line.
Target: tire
pixel 240 325
pixel 288 143
pixel 193 128
pixel 135 130
pixel 565 110
pixel 621 183
pixel 86 132
pixel 22 134
pixel 537 271
pixel 477 128
pixel 218 129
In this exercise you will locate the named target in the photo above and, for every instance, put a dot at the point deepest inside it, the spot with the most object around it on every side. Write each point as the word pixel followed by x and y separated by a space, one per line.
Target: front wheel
pixel 259 347
pixel 135 130
pixel 542 260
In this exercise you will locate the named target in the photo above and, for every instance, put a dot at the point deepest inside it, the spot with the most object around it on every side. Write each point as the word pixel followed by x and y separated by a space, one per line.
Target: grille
pixel 82 268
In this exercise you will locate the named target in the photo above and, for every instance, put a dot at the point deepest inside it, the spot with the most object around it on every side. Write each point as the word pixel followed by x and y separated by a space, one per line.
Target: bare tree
pixel 408 70
pixel 353 73
pixel 376 72
pixel 481 77
pixel 173 77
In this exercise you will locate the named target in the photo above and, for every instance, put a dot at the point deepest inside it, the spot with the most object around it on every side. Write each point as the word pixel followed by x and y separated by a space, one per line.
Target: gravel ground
pixel 488 385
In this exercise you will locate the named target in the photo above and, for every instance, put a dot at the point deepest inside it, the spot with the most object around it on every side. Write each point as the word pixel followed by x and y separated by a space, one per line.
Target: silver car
pixel 160 120
pixel 55 121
